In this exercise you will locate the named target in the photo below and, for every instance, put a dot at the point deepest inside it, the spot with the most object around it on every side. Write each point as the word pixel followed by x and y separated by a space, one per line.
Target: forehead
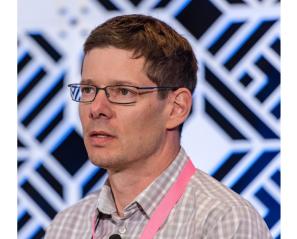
pixel 104 66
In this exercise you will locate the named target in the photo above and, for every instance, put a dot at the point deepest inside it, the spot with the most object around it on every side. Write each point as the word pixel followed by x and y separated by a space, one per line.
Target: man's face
pixel 118 136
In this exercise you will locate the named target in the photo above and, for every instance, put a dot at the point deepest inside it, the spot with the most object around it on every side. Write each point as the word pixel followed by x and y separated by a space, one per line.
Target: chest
pixel 180 223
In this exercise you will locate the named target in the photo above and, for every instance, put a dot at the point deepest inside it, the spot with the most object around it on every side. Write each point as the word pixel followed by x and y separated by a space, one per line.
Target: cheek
pixel 83 115
pixel 145 122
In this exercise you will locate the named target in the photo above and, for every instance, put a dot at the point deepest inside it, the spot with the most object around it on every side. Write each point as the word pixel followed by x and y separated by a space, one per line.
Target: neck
pixel 127 184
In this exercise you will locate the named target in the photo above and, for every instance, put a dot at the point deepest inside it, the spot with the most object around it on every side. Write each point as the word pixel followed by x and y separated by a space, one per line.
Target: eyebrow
pixel 112 82
pixel 86 81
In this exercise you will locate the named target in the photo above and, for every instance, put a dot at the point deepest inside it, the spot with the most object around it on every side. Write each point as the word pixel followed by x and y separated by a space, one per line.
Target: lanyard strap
pixel 168 202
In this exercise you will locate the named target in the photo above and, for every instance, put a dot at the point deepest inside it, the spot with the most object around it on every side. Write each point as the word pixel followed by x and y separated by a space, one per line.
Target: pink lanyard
pixel 167 204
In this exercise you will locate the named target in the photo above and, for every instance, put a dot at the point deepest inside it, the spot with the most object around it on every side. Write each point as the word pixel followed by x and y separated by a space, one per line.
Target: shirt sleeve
pixel 240 222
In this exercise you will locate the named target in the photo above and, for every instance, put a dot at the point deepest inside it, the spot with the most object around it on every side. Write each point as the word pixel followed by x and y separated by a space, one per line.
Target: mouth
pixel 99 138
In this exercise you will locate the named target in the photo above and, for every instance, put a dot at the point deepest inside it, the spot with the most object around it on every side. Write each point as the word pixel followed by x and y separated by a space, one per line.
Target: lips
pixel 99 134
pixel 99 138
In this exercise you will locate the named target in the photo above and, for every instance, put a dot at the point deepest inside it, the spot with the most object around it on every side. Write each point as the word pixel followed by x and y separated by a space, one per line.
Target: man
pixel 138 76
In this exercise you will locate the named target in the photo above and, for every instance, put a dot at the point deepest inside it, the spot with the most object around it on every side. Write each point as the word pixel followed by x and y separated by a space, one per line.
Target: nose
pixel 100 107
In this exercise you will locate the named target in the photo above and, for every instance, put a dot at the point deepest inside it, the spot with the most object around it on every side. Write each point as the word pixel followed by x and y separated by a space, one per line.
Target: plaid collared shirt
pixel 207 210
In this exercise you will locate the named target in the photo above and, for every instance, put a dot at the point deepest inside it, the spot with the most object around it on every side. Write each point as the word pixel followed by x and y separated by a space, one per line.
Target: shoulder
pixel 224 213
pixel 67 219
pixel 209 189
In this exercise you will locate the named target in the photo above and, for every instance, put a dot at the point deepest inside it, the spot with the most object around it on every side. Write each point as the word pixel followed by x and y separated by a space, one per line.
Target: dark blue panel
pixel 252 172
pixel 273 215
pixel 208 14
pixel 249 43
pixel 251 117
pixel 46 46
pixel 223 122
pixel 71 153
pixel 228 164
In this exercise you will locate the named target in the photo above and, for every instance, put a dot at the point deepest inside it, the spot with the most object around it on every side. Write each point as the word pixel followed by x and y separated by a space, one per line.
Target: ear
pixel 180 107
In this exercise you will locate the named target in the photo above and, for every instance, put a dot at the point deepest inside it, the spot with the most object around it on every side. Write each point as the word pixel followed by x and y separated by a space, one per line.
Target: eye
pixel 124 91
pixel 87 90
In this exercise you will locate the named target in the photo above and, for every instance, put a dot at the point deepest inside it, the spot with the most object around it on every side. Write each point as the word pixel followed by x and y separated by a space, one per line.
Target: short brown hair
pixel 170 60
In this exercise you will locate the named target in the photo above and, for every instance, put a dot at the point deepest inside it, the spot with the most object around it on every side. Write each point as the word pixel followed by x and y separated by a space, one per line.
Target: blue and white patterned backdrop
pixel 233 132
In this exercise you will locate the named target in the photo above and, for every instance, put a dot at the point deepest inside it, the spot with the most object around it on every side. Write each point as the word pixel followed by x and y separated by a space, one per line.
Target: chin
pixel 105 162
pixel 102 163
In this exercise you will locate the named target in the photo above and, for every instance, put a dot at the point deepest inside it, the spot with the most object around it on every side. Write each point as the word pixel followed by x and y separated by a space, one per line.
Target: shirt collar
pixel 148 199
pixel 105 203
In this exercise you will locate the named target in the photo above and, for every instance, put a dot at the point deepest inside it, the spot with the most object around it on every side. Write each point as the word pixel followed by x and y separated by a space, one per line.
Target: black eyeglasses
pixel 120 94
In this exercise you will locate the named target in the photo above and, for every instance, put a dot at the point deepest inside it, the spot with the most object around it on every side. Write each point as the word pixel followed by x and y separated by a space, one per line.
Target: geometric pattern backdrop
pixel 232 134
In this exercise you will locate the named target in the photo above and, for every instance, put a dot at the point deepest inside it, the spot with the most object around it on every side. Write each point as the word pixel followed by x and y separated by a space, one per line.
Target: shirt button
pixel 122 230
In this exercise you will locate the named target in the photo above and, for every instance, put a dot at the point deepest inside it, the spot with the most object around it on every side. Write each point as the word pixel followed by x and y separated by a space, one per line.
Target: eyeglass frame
pixel 118 85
